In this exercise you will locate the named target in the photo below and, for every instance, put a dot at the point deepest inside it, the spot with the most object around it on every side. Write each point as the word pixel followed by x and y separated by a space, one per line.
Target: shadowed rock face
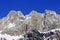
pixel 36 35
pixel 15 23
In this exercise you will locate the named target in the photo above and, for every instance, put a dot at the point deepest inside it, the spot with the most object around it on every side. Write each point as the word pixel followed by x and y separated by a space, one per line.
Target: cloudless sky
pixel 26 6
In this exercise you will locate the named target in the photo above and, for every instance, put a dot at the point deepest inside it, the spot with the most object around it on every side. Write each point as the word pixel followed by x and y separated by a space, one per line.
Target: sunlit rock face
pixel 15 23
pixel 12 23
pixel 51 20
pixel 37 20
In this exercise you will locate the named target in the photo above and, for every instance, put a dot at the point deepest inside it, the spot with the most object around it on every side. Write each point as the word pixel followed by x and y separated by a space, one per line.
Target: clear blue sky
pixel 27 6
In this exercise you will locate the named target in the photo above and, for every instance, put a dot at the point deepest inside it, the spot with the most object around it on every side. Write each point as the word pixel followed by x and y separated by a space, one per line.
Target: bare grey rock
pixel 15 23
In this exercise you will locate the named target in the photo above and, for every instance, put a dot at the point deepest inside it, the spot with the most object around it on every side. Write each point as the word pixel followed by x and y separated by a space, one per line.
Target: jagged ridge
pixel 15 23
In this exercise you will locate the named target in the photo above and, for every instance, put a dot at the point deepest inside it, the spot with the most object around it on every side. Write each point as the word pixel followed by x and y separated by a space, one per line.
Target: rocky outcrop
pixel 36 35
pixel 15 23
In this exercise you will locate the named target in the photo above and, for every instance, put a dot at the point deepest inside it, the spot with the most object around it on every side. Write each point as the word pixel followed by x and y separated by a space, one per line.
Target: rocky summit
pixel 44 25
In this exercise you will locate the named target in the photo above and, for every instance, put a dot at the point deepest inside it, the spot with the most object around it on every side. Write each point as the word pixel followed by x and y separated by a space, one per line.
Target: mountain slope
pixel 15 23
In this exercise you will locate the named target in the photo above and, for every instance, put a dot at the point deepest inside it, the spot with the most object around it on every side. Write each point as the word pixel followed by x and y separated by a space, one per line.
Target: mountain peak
pixel 13 12
pixel 50 12
pixel 33 20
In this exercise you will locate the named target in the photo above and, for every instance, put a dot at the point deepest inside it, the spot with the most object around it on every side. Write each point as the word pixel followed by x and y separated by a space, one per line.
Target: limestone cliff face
pixel 51 20
pixel 37 20
pixel 15 23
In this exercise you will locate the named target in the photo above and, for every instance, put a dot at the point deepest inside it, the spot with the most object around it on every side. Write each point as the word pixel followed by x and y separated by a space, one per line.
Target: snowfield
pixel 20 37
pixel 8 37
pixel 11 25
